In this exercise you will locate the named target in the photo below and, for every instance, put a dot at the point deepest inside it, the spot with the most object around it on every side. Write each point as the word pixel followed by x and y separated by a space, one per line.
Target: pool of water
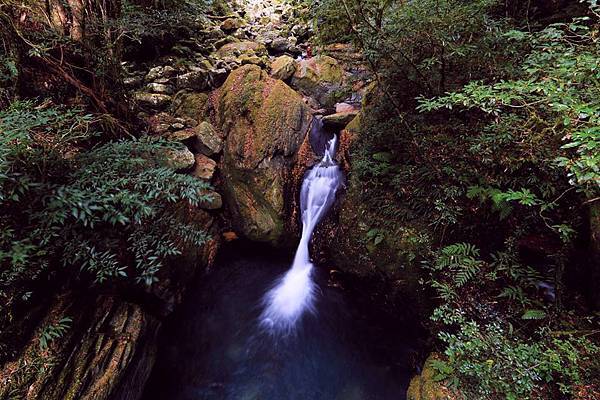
pixel 214 348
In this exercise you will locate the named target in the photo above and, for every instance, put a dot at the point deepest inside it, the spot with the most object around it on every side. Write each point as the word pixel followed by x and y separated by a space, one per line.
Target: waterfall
pixel 294 293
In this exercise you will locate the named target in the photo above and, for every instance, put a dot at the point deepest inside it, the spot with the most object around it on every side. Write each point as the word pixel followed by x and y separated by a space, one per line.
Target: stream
pixel 213 347
pixel 263 325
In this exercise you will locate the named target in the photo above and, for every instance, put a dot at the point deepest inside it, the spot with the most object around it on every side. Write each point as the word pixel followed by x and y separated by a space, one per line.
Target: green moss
pixel 424 386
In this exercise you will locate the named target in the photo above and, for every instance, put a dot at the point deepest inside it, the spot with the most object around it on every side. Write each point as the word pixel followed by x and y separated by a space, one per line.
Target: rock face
pixel 320 77
pixel 265 122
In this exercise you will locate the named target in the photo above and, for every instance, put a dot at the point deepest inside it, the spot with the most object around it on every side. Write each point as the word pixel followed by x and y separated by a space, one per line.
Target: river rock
pixel 153 100
pixel 283 68
pixel 231 24
pixel 209 140
pixel 264 122
pixel 195 80
pixel 179 158
pixel 214 201
pixel 234 50
pixel 340 120
pixel 320 77
pixel 205 167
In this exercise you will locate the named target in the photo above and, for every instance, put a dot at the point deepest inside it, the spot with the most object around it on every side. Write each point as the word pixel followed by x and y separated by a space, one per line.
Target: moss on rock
pixel 425 387
pixel 264 122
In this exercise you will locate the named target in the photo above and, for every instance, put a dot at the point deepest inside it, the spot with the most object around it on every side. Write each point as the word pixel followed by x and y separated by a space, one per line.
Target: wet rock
pixel 345 107
pixel 195 80
pixel 159 88
pixel 153 100
pixel 231 24
pixel 278 45
pixel 209 140
pixel 283 68
pixel 205 167
pixel 214 201
pixel 320 77
pixel 339 120
pixel 160 72
pixel 179 159
pixel 265 122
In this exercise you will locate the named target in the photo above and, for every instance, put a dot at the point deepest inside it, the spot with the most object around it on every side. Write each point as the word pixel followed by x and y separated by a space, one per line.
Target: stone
pixel 181 135
pixel 226 40
pixel 217 77
pixel 154 100
pixel 339 120
pixel 283 68
pixel 231 24
pixel 230 236
pixel 195 80
pixel 179 159
pixel 159 88
pixel 233 50
pixel 209 141
pixel 214 201
pixel 133 81
pixel 320 77
pixel 204 168
pixel 279 45
pixel 264 122
pixel 345 107
pixel 160 72
pixel 190 105
pixel 248 59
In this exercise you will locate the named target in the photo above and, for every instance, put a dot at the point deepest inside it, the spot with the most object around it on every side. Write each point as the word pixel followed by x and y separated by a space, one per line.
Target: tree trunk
pixel 77 19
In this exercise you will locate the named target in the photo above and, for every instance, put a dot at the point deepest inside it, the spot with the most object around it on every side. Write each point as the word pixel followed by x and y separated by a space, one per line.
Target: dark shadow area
pixel 213 347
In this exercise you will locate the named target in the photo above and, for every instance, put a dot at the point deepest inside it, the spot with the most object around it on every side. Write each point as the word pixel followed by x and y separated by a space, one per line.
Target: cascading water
pixel 294 293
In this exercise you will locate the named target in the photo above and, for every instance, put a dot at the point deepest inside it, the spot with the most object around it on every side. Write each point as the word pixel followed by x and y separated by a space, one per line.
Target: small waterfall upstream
pixel 294 293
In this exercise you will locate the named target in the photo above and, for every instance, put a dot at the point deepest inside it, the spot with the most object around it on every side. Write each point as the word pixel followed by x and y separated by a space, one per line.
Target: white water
pixel 294 293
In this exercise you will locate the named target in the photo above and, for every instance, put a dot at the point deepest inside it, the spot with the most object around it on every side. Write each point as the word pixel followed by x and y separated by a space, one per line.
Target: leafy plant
pixel 54 331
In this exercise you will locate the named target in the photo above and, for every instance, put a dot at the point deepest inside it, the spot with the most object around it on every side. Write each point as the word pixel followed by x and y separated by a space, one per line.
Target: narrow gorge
pixel 299 200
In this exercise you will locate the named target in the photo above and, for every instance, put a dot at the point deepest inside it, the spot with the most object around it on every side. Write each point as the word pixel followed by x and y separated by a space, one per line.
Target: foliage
pixel 557 93
pixel 495 346
pixel 54 331
pixel 417 46
pixel 484 129
pixel 112 212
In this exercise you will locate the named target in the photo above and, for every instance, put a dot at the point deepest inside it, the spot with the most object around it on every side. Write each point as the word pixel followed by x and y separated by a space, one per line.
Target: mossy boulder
pixel 246 47
pixel 264 122
pixel 322 78
pixel 425 386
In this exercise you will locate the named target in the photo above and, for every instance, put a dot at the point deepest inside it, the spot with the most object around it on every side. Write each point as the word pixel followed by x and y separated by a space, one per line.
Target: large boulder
pixel 320 77
pixel 264 122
